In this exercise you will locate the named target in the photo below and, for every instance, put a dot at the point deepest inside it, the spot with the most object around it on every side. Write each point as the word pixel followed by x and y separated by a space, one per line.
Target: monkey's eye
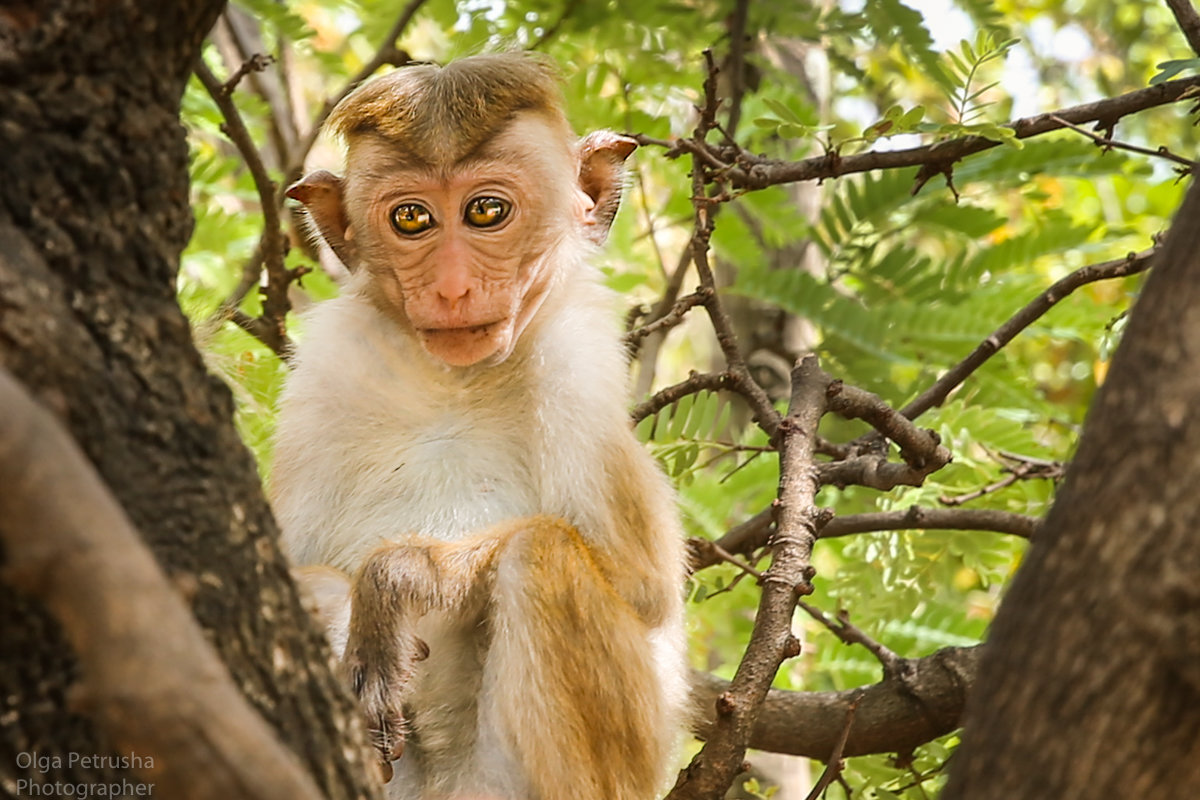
pixel 411 218
pixel 484 212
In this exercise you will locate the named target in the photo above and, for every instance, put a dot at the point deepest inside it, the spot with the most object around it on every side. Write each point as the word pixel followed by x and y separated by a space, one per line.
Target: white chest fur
pixel 415 447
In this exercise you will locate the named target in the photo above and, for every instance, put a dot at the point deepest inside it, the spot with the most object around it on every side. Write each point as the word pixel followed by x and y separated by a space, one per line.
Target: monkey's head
pixel 464 193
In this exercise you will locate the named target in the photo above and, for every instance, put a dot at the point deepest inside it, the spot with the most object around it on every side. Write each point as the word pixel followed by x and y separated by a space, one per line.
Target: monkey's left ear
pixel 602 178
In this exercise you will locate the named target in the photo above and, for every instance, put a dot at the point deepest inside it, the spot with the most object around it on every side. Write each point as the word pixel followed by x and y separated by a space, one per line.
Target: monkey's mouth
pixel 482 328
pixel 464 345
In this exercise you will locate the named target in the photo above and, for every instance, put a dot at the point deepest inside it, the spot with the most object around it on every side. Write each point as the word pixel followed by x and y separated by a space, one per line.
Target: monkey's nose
pixel 452 285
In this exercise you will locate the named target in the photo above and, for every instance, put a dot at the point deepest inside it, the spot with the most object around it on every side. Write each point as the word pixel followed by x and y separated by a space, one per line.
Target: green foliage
pixel 969 101
pixel 791 124
pixel 891 19
pixel 678 433
pixel 1171 69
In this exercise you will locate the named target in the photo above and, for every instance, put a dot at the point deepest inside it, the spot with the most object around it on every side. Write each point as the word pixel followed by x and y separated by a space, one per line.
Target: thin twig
pixel 257 62
pixel 1107 142
pixel 272 330
pixel 850 633
pixel 834 766
pixel 1021 469
pixel 696 382
pixel 936 394
pixel 670 319
pixel 754 533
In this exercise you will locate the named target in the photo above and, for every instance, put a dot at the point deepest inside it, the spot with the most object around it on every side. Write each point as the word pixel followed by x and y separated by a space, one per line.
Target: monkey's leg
pixel 571 680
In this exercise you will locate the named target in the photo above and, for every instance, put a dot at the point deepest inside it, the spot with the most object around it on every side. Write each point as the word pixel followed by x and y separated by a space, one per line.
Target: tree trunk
pixel 93 216
pixel 1090 683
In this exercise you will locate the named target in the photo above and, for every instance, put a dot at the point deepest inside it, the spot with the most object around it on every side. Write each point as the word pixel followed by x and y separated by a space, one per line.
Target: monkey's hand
pixel 379 668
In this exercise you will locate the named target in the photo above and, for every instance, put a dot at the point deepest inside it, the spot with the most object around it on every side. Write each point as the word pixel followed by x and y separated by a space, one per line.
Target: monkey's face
pixel 466 253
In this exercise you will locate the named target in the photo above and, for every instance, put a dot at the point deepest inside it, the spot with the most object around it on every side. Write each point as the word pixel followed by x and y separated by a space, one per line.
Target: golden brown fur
pixel 439 115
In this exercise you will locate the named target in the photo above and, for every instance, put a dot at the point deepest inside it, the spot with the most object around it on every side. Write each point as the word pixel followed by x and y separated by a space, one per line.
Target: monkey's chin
pixel 467 346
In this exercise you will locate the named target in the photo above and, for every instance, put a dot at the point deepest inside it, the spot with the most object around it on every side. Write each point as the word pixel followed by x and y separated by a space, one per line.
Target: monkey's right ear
pixel 320 193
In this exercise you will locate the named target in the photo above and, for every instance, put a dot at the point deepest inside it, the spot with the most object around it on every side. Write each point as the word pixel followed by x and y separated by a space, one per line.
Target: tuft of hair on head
pixel 438 114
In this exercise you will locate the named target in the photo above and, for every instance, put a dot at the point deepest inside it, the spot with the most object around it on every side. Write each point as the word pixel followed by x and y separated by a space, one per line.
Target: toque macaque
pixel 497 559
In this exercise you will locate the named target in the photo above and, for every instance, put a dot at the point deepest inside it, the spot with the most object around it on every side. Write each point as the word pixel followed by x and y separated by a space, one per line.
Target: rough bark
pixel 93 216
pixel 148 678
pixel 1091 679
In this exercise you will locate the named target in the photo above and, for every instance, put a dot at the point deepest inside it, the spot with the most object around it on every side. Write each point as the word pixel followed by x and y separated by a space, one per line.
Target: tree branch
pixel 149 677
pixel 916 517
pixel 788 577
pixel 920 448
pixel 696 382
pixel 850 633
pixel 753 172
pixel 753 534
pixel 894 715
pixel 1189 21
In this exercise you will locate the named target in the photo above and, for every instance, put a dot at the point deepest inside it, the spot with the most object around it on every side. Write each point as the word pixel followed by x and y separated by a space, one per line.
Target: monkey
pixel 498 560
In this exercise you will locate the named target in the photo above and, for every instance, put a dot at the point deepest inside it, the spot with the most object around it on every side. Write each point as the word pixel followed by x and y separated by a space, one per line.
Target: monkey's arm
pixel 398 584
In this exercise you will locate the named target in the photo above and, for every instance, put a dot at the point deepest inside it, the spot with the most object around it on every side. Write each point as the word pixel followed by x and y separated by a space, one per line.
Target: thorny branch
pixel 798 522
pixel 741 380
pixel 797 519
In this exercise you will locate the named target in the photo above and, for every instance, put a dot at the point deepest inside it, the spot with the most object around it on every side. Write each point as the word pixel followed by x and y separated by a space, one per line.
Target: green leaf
pixel 1169 69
